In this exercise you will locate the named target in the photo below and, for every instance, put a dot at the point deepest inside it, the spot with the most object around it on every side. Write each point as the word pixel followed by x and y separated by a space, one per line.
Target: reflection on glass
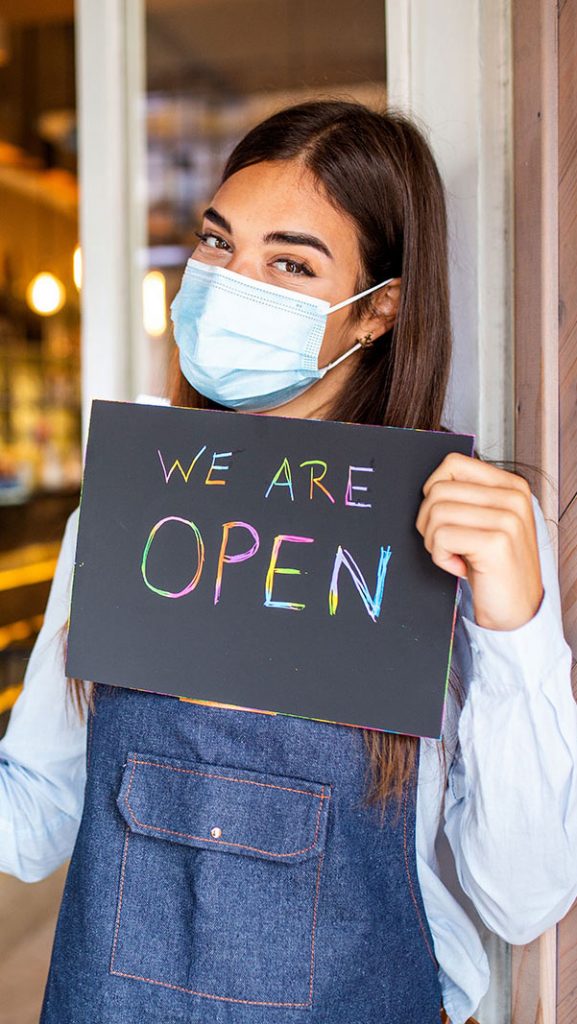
pixel 214 69
pixel 45 294
pixel 77 267
pixel 39 306
pixel 154 303
pixel 40 460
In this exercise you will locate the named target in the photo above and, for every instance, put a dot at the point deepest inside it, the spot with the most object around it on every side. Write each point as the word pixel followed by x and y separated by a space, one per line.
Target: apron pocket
pixel 219 881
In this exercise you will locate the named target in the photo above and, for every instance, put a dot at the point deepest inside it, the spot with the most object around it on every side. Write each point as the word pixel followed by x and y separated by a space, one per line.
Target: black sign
pixel 266 562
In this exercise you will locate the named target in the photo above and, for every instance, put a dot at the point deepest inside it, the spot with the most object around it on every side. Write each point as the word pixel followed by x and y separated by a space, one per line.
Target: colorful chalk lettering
pixel 224 559
pixel 372 604
pixel 273 568
pixel 199 557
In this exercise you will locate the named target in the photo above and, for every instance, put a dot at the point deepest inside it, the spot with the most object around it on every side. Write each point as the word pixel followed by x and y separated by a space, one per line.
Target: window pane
pixel 40 456
pixel 213 69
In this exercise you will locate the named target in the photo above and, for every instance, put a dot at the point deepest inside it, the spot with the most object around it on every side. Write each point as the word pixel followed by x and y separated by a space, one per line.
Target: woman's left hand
pixel 477 521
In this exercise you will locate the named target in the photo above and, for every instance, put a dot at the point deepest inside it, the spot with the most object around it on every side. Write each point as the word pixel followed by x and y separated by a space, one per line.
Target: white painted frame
pixel 449 65
pixel 110 87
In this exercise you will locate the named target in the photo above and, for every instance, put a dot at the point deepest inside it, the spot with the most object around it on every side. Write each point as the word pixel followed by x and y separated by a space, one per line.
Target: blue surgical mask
pixel 247 344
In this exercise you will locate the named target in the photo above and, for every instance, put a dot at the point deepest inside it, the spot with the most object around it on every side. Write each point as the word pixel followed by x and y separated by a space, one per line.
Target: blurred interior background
pixel 212 69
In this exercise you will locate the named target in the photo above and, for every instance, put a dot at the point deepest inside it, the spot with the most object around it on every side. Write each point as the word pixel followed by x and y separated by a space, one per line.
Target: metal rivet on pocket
pixel 216 832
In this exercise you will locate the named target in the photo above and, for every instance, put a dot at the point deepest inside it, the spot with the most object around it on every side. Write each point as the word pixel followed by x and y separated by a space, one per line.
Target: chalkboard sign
pixel 265 562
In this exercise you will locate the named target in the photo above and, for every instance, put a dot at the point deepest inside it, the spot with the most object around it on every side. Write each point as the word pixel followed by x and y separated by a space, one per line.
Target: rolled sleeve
pixel 522 657
pixel 511 808
pixel 42 755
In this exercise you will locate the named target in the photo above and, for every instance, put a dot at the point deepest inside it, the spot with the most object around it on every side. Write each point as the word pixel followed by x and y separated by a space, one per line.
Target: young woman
pixel 316 895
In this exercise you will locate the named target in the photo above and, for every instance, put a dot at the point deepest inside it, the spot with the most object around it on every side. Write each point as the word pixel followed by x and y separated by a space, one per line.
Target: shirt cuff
pixel 518 657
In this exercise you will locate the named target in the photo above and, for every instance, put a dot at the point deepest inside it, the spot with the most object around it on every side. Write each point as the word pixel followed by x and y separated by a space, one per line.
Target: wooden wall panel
pixel 535 176
pixel 567 134
pixel 567 928
pixel 568 580
pixel 568 404
pixel 545 189
pixel 568 253
pixel 534 979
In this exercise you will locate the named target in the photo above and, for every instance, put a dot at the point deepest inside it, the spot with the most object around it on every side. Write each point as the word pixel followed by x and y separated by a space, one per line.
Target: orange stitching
pixel 207 995
pixel 412 891
pixel 321 858
pixel 210 995
pixel 218 842
pixel 228 778
pixel 116 930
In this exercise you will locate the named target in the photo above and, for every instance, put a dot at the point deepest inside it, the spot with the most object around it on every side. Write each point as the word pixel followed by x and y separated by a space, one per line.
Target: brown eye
pixel 212 241
pixel 294 268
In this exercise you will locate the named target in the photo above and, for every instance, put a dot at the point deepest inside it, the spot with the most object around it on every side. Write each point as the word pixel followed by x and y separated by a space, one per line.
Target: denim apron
pixel 227 870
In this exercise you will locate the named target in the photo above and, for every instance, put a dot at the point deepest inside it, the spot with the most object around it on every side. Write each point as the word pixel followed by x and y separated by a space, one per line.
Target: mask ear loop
pixel 347 302
pixel 361 295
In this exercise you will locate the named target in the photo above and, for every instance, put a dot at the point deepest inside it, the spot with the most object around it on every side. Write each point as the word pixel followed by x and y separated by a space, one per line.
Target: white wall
pixel 449 65
pixel 110 85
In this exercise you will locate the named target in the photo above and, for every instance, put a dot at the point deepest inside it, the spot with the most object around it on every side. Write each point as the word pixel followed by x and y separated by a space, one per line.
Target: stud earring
pixel 366 340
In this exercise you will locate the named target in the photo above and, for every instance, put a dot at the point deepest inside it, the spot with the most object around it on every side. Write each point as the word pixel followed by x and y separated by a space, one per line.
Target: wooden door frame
pixel 545 310
pixel 536 235
pixel 536 290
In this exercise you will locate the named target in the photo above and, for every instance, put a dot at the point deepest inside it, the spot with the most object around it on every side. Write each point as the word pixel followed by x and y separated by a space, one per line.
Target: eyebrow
pixel 273 237
pixel 292 238
pixel 217 218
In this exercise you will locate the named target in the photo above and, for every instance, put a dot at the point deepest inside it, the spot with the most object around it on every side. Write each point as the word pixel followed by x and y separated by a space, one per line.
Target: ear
pixel 384 308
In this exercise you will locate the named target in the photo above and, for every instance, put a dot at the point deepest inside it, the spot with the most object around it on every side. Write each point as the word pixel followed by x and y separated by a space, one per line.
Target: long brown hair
pixel 379 169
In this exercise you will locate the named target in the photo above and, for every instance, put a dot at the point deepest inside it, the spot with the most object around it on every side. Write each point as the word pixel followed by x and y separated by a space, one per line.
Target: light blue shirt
pixel 510 797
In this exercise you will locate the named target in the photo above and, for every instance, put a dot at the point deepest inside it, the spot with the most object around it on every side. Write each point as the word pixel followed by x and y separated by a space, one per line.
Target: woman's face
pixel 272 222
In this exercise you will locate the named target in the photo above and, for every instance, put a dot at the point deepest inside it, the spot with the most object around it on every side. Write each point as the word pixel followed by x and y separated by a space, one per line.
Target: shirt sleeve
pixel 42 755
pixel 511 801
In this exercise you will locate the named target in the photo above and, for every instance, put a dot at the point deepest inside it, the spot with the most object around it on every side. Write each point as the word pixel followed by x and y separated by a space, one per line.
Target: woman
pixel 161 923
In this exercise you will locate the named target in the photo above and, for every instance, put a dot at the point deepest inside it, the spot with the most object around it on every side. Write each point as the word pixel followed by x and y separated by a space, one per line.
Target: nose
pixel 244 263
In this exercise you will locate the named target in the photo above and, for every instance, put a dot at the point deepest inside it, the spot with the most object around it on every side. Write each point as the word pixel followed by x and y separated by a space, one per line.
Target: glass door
pixel 213 69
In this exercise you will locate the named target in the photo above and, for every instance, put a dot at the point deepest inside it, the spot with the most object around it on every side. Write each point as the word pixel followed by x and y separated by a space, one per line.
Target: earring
pixel 366 340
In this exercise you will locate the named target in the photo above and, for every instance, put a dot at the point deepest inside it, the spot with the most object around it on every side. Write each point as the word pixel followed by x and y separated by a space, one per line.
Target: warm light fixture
pixel 77 267
pixel 154 303
pixel 45 294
